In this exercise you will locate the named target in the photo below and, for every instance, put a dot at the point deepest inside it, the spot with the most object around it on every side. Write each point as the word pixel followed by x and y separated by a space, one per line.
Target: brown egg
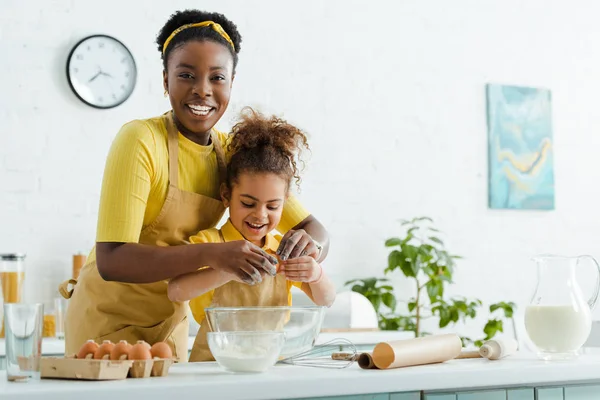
pixel 161 350
pixel 120 351
pixel 140 351
pixel 144 343
pixel 104 350
pixel 88 349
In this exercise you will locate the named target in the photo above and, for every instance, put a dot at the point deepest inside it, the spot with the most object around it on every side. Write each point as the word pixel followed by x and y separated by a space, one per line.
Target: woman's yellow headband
pixel 217 28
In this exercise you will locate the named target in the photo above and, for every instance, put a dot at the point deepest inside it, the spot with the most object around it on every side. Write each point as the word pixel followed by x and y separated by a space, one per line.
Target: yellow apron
pixel 272 291
pixel 102 310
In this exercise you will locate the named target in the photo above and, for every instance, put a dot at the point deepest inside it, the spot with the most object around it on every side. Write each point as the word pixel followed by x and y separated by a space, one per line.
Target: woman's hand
pixel 301 269
pixel 297 243
pixel 242 259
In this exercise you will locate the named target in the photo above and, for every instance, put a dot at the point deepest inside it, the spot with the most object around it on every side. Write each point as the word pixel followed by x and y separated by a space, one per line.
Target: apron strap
pixel 63 288
pixel 173 145
pixel 220 153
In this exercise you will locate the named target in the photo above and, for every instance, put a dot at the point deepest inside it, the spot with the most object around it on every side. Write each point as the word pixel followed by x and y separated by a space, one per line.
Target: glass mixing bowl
pixel 301 325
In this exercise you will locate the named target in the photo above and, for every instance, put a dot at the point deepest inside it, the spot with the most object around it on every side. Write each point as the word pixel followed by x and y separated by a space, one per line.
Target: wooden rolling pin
pixel 405 353
pixel 427 350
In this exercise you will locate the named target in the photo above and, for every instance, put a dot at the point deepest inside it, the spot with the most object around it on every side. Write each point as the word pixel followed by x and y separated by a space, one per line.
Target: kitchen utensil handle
pixel 345 356
pixel 592 301
pixel 468 354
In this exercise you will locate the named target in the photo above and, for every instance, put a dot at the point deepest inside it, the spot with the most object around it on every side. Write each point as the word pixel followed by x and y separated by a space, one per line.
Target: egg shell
pixel 120 351
pixel 104 350
pixel 140 351
pixel 88 348
pixel 144 343
pixel 161 350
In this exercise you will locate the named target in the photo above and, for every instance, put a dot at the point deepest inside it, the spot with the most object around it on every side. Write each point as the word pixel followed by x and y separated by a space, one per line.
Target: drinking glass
pixel 23 337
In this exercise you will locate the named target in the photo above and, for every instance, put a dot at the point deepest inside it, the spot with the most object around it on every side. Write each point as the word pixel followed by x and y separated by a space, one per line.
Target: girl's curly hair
pixel 265 144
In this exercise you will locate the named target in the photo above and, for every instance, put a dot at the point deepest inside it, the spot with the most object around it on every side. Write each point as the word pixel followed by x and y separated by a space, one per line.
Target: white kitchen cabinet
pixel 381 396
pixel 439 396
pixel 483 394
pixel 520 394
pixel 406 396
pixel 584 392
pixel 556 393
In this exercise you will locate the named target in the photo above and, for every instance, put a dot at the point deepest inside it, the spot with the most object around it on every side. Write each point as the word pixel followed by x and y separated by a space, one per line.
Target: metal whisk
pixel 320 355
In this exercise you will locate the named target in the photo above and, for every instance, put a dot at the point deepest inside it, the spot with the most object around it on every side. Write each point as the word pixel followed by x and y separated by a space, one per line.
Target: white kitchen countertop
pixel 284 382
pixel 51 346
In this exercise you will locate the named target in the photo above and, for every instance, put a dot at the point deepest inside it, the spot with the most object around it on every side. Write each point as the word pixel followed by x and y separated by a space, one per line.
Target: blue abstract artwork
pixel 520 148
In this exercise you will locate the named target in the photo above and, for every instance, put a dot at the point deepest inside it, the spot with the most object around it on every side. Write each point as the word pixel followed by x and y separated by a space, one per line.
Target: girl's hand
pixel 246 261
pixel 301 269
pixel 297 243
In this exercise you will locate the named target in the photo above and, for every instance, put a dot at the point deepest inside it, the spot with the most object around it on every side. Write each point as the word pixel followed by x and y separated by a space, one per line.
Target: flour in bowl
pixel 241 359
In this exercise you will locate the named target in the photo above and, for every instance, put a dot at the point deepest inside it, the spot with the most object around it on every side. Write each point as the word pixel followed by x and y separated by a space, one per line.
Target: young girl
pixel 259 173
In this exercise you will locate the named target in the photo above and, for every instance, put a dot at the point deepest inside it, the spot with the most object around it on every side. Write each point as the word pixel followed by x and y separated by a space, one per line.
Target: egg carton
pixel 90 369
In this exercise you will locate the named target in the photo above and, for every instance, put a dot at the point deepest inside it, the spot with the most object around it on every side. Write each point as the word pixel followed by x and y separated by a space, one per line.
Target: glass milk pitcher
pixel 558 319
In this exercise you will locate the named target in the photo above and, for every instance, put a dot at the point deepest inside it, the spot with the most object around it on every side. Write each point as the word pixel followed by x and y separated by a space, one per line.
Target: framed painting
pixel 520 148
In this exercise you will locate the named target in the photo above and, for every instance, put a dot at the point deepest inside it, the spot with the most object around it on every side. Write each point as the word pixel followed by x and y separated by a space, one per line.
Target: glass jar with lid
pixel 12 276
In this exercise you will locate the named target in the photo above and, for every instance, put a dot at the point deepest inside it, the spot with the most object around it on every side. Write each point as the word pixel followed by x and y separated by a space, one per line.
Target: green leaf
pixel 478 343
pixel 416 265
pixel 435 289
pixel 408 238
pixel 395 260
pixel 472 308
pixel 376 301
pixel 460 305
pixel 492 327
pixel 370 283
pixel 411 305
pixel 454 314
pixel 436 240
pixel 429 271
pixel 393 242
pixel 407 270
pixel 386 287
pixel 445 274
pixel 409 252
pixel 423 219
pixel 358 289
pixel 508 308
pixel 389 300
pixel 444 317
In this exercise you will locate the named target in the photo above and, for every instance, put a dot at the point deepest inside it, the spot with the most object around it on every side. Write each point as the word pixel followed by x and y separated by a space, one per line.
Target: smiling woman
pixel 161 184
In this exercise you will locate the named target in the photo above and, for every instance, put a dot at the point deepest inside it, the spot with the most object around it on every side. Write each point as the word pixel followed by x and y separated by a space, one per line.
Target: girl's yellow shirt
pixel 230 234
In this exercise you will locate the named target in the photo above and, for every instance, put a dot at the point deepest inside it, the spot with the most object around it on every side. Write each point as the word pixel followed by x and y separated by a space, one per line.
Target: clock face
pixel 101 71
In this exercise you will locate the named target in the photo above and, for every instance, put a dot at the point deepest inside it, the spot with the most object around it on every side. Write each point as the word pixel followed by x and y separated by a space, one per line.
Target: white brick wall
pixel 392 94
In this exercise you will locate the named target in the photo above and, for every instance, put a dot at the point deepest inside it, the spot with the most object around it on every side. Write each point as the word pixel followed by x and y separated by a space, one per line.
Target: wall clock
pixel 101 71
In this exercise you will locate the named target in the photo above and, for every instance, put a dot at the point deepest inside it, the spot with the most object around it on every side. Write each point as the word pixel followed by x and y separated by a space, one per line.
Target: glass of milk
pixel 558 319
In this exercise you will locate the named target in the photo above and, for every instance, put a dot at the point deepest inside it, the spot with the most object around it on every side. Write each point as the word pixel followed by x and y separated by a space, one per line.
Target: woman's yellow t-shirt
pixel 229 233
pixel 136 180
